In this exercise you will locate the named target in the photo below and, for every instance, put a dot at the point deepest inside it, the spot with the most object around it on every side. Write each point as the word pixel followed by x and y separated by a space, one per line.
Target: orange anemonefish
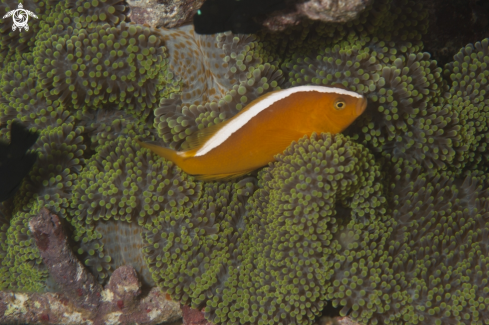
pixel 264 128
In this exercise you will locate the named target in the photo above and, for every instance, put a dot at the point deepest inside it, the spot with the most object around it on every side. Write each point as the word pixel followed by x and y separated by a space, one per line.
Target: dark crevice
pixel 328 315
pixel 454 24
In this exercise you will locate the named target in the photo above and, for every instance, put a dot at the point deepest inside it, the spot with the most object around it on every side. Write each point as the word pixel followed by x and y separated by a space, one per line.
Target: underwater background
pixel 388 221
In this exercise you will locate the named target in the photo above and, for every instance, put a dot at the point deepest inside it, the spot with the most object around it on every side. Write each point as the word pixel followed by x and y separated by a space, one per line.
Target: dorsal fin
pixel 338 85
pixel 198 138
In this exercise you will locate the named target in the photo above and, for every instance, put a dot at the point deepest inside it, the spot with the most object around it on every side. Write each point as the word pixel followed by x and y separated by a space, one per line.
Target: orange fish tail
pixel 168 154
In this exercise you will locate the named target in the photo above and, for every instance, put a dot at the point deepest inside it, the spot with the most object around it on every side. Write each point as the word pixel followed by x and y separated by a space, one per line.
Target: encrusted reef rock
pixel 175 13
pixel 388 222
pixel 81 299
pixel 167 13
pixel 330 11
pixel 335 11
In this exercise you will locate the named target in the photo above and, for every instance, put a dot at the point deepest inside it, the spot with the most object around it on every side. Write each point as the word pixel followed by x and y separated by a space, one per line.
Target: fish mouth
pixel 361 105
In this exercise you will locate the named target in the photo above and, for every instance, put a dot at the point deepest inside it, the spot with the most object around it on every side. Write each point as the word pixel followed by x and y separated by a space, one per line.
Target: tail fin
pixel 168 154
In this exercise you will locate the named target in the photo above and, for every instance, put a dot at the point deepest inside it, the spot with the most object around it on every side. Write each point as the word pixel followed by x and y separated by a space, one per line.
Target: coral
pixel 192 316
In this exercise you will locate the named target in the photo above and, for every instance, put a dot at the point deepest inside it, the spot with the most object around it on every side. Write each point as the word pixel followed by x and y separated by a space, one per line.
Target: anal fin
pixel 222 177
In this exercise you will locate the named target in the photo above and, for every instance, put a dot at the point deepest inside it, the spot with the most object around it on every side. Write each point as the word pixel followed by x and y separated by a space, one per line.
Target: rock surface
pixel 163 13
pixel 81 299
pixel 333 11
pixel 175 13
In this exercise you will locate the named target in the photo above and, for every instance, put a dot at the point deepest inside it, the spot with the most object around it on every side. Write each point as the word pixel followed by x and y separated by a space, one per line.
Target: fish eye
pixel 339 104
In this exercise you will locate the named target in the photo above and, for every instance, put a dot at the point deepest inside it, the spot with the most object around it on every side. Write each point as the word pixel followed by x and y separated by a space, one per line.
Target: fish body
pixel 217 16
pixel 266 127
pixel 15 162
